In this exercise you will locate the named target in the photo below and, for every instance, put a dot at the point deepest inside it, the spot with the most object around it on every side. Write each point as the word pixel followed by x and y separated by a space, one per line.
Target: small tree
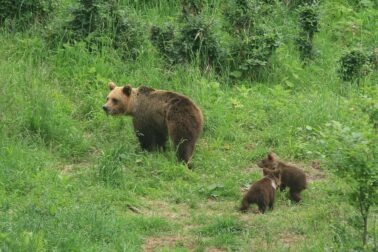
pixel 353 156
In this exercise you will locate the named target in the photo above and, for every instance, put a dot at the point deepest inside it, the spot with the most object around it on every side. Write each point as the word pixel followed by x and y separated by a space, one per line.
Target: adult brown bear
pixel 156 115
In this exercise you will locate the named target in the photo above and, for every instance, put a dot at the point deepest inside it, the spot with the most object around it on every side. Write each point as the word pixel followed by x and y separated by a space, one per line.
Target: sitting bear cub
pixel 156 115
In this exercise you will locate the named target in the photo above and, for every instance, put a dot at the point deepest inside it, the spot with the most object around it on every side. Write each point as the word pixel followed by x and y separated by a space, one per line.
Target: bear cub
pixel 263 191
pixel 291 176
pixel 156 115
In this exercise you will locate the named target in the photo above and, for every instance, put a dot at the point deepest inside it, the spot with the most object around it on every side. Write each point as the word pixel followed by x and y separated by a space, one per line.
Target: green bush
pixel 25 12
pixel 352 155
pixel 252 53
pixel 253 43
pixel 164 39
pixel 101 24
pixel 353 65
pixel 194 40
pixel 309 23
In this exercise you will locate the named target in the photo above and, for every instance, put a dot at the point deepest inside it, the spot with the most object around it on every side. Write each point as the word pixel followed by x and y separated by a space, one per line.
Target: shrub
pixel 309 23
pixel 305 47
pixel 195 39
pixel 25 12
pixel 353 65
pixel 166 42
pixel 252 53
pixel 309 19
pixel 98 24
pixel 191 7
pixel 238 15
pixel 352 156
pixel 253 44
pixel 128 34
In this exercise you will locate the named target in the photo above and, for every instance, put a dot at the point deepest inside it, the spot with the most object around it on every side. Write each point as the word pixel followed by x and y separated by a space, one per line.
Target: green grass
pixel 73 179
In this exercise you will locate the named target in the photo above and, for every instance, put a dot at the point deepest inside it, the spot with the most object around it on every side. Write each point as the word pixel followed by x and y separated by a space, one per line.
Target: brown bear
pixel 291 176
pixel 156 115
pixel 263 191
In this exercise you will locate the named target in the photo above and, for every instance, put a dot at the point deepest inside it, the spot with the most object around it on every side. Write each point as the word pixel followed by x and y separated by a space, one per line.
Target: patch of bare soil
pixel 214 250
pixel 289 239
pixel 154 242
pixel 69 169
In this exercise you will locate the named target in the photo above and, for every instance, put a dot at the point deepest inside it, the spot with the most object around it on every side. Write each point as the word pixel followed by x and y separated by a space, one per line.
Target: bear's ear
pixel 111 85
pixel 271 156
pixel 127 90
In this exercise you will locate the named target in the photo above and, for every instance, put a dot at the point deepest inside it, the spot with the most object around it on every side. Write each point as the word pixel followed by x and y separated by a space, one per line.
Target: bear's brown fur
pixel 156 115
pixel 263 191
pixel 291 176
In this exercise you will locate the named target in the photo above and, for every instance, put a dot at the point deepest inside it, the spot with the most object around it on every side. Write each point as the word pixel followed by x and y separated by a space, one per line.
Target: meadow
pixel 74 179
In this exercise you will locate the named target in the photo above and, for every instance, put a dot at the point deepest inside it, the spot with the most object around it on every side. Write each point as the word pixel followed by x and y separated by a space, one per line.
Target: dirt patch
pixel 69 169
pixel 153 243
pixel 289 239
pixel 214 250
pixel 177 212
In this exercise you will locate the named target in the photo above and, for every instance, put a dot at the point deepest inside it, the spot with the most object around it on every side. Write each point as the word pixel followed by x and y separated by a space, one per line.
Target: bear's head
pixel 120 100
pixel 269 162
pixel 274 175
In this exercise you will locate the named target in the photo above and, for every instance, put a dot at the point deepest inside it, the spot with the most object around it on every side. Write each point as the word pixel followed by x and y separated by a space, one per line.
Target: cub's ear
pixel 111 85
pixel 271 156
pixel 127 90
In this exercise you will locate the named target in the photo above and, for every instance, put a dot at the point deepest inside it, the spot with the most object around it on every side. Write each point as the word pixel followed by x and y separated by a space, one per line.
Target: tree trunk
pixel 365 234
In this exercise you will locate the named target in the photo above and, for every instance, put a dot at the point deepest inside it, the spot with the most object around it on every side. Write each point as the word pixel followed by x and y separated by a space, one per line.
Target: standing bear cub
pixel 156 115
pixel 291 176
pixel 263 191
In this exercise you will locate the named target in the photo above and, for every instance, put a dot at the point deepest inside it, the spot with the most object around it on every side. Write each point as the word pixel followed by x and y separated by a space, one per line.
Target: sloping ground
pixel 72 179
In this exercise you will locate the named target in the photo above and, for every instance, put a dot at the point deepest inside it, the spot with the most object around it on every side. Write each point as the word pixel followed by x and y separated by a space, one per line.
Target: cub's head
pixel 119 101
pixel 273 174
pixel 269 162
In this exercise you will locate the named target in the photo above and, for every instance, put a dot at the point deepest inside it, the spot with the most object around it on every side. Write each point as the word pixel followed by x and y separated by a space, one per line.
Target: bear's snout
pixel 105 108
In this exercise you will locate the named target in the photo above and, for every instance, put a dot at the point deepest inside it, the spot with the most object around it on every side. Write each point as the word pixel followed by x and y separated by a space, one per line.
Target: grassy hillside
pixel 73 179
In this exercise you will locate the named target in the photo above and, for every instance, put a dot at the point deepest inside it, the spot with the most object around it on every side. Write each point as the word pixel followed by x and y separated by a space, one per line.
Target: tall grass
pixel 72 178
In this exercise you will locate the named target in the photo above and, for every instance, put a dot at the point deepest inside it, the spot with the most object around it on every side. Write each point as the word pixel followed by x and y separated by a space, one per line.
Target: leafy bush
pixel 166 42
pixel 309 23
pixel 353 65
pixel 197 38
pixel 251 53
pixel 194 39
pixel 309 19
pixel 352 155
pixel 25 12
pixel 191 7
pixel 253 44
pixel 239 16
pixel 305 47
pixel 98 24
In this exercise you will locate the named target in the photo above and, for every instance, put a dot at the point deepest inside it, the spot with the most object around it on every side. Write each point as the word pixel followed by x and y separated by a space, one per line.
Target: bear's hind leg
pixel 184 151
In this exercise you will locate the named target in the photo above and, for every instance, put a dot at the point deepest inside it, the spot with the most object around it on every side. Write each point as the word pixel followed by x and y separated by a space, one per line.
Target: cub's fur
pixel 263 191
pixel 156 115
pixel 291 176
